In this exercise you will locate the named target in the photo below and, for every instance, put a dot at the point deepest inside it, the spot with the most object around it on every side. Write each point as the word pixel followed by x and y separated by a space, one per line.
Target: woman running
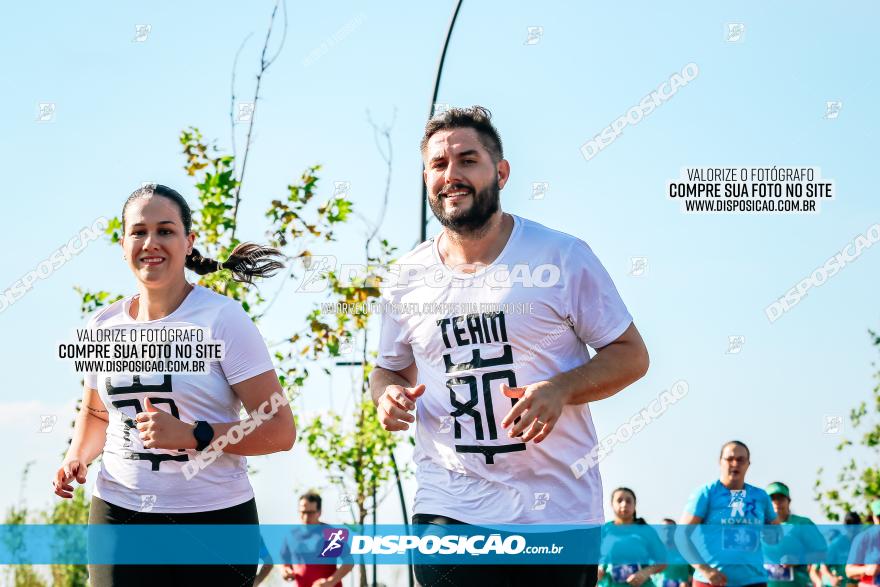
pixel 629 555
pixel 150 427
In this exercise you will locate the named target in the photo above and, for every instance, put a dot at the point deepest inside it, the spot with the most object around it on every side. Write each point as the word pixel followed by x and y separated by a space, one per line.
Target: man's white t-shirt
pixel 558 299
pixel 138 478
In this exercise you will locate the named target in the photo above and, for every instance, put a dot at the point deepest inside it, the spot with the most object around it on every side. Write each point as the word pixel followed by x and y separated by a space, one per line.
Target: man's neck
pixel 783 519
pixel 731 484
pixel 481 249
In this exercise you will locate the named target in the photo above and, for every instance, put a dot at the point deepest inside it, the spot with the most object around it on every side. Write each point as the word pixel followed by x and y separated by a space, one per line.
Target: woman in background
pixel 630 556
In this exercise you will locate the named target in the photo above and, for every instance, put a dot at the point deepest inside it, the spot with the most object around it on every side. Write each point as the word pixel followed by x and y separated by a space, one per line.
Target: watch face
pixel 203 433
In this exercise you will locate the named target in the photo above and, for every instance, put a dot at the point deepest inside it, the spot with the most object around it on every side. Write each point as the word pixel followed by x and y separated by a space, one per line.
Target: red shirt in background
pixel 305 575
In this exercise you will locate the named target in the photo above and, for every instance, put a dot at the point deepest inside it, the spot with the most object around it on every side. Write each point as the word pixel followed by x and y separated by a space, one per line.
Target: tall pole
pixel 424 225
pixel 375 508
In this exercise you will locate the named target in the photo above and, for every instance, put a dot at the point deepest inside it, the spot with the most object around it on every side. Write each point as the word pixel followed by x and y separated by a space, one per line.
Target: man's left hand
pixel 539 407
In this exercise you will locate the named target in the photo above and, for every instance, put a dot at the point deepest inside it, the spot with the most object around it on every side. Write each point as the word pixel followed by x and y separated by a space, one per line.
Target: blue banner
pixel 623 546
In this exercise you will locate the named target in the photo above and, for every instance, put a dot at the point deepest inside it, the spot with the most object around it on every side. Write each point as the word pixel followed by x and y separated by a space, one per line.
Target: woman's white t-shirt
pixel 144 479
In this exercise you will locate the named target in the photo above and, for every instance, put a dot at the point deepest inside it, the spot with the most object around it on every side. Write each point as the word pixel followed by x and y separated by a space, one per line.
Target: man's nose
pixel 452 173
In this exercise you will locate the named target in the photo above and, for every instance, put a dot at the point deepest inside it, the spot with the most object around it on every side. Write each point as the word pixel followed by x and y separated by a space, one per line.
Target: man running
pixel 833 574
pixel 496 357
pixel 313 575
pixel 733 511
pixel 806 542
pixel 865 552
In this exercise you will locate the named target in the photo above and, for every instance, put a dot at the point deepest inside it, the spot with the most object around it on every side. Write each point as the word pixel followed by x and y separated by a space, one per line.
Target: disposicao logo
pixel 334 541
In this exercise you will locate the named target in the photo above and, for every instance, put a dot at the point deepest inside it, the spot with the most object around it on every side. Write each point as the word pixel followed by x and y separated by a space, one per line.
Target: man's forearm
pixel 611 370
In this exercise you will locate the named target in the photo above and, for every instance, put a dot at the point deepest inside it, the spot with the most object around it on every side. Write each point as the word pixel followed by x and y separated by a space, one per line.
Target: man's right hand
pixel 395 404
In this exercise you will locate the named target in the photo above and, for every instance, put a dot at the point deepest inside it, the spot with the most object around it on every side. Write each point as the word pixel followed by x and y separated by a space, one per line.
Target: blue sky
pixel 119 106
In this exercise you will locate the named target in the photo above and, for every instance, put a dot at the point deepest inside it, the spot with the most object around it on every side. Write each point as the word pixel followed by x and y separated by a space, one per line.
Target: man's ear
pixel 503 173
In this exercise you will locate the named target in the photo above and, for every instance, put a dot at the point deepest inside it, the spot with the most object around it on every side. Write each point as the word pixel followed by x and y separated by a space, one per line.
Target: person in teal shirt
pixel 803 544
pixel 733 513
pixel 834 574
pixel 678 572
pixel 631 550
pixel 865 552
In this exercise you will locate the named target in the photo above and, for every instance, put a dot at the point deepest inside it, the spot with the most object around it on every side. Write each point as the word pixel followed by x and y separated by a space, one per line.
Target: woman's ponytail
pixel 248 260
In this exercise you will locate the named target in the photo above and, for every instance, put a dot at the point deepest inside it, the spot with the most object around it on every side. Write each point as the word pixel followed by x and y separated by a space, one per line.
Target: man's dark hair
pixel 475 117
pixel 852 518
pixel 312 497
pixel 735 443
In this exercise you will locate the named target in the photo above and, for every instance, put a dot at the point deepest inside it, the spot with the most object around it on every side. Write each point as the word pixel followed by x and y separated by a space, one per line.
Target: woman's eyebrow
pixel 160 222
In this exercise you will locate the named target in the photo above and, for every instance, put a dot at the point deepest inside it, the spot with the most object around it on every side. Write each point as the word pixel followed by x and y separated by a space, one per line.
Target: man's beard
pixel 470 222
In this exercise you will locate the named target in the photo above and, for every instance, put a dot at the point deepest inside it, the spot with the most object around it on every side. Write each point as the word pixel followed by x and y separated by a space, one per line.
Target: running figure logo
pixel 334 540
pixel 737 502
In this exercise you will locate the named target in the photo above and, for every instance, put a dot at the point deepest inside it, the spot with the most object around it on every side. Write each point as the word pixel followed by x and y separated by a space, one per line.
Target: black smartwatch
pixel 204 434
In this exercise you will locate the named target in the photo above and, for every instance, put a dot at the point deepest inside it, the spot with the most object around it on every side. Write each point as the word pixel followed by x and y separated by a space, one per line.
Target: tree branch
pixel 387 157
pixel 264 65
pixel 232 95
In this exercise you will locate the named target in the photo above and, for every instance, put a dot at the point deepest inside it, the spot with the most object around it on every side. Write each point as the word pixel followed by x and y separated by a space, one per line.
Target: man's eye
pixel 166 231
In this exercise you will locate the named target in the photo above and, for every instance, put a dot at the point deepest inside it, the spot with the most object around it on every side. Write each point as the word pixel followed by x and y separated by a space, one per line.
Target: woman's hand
pixel 715 576
pixel 158 429
pixel 71 468
pixel 637 578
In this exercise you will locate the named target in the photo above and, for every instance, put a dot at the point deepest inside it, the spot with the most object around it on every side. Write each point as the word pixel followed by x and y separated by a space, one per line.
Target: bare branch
pixel 232 95
pixel 384 132
pixel 264 65
pixel 275 297
pixel 272 59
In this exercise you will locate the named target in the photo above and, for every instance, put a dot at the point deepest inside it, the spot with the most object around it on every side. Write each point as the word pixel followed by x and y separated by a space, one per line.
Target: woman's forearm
pixel 254 436
pixel 89 437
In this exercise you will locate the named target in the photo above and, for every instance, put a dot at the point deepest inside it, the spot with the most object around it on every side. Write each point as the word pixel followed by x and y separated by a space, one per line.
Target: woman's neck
pixel 620 521
pixel 157 303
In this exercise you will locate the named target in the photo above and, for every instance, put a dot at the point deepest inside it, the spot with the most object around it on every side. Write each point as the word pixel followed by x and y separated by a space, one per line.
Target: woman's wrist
pixel 73 455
